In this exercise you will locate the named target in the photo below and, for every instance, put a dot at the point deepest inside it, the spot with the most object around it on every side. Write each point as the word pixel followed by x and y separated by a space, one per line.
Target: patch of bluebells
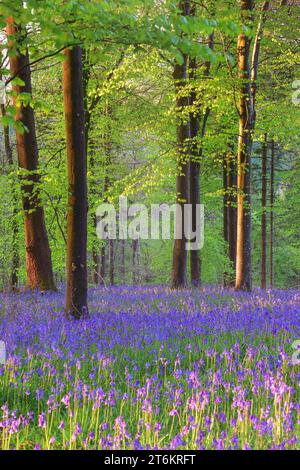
pixel 151 368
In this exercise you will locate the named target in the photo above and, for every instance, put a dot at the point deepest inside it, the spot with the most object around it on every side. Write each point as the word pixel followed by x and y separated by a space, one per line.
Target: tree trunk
pixel 243 249
pixel 179 278
pixel 103 264
pixel 107 147
pixel 76 294
pixel 96 265
pixel 196 150
pixel 229 212
pixel 264 215
pixel 135 261
pixel 93 193
pixel 38 255
pixel 194 175
pixel 272 198
pixel 122 244
pixel 232 215
pixel 111 262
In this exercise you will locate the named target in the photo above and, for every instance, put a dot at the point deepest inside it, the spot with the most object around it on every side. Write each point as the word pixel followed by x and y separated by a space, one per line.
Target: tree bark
pixel 76 293
pixel 194 175
pixel 103 264
pixel 38 255
pixel 96 263
pixel 179 277
pixel 272 198
pixel 90 159
pixel 229 210
pixel 135 261
pixel 232 209
pixel 111 262
pixel 248 75
pixel 197 129
pixel 243 249
pixel 264 215
pixel 122 246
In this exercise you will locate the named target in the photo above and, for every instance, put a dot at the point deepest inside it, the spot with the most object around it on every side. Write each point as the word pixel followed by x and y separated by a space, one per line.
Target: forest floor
pixel 151 368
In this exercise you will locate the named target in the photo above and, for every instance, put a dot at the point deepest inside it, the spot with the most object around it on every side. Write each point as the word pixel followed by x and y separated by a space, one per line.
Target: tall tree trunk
pixel 76 294
pixel 95 242
pixel 272 197
pixel 229 212
pixel 38 255
pixel 264 215
pixel 194 176
pixel 15 264
pixel 179 278
pixel 247 118
pixel 197 129
pixel 107 147
pixel 90 155
pixel 232 216
pixel 243 250
pixel 225 210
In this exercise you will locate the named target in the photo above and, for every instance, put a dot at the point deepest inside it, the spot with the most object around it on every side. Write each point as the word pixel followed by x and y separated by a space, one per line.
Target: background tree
pixel 38 255
pixel 76 293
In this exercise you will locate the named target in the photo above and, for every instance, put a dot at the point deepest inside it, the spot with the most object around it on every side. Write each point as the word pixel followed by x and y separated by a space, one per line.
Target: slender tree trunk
pixel 107 147
pixel 38 255
pixel 194 168
pixel 196 150
pixel 95 242
pixel 243 250
pixel 135 261
pixel 272 198
pixel 103 264
pixel 90 155
pixel 122 245
pixel 232 214
pixel 248 75
pixel 7 146
pixel 76 294
pixel 264 215
pixel 229 212
pixel 15 264
pixel 179 278
pixel 111 262
pixel 96 264
pixel 194 174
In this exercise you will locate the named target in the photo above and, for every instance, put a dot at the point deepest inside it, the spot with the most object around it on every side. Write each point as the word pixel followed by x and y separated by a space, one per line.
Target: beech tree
pixel 38 254
pixel 198 123
pixel 76 292
pixel 248 74
pixel 180 75
pixel 229 210
pixel 272 200
pixel 264 156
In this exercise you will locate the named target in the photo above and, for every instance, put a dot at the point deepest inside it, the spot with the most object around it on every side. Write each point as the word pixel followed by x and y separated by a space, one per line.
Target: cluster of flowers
pixel 151 369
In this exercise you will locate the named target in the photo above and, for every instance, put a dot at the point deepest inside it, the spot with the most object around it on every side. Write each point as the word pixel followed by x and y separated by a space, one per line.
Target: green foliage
pixel 130 48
